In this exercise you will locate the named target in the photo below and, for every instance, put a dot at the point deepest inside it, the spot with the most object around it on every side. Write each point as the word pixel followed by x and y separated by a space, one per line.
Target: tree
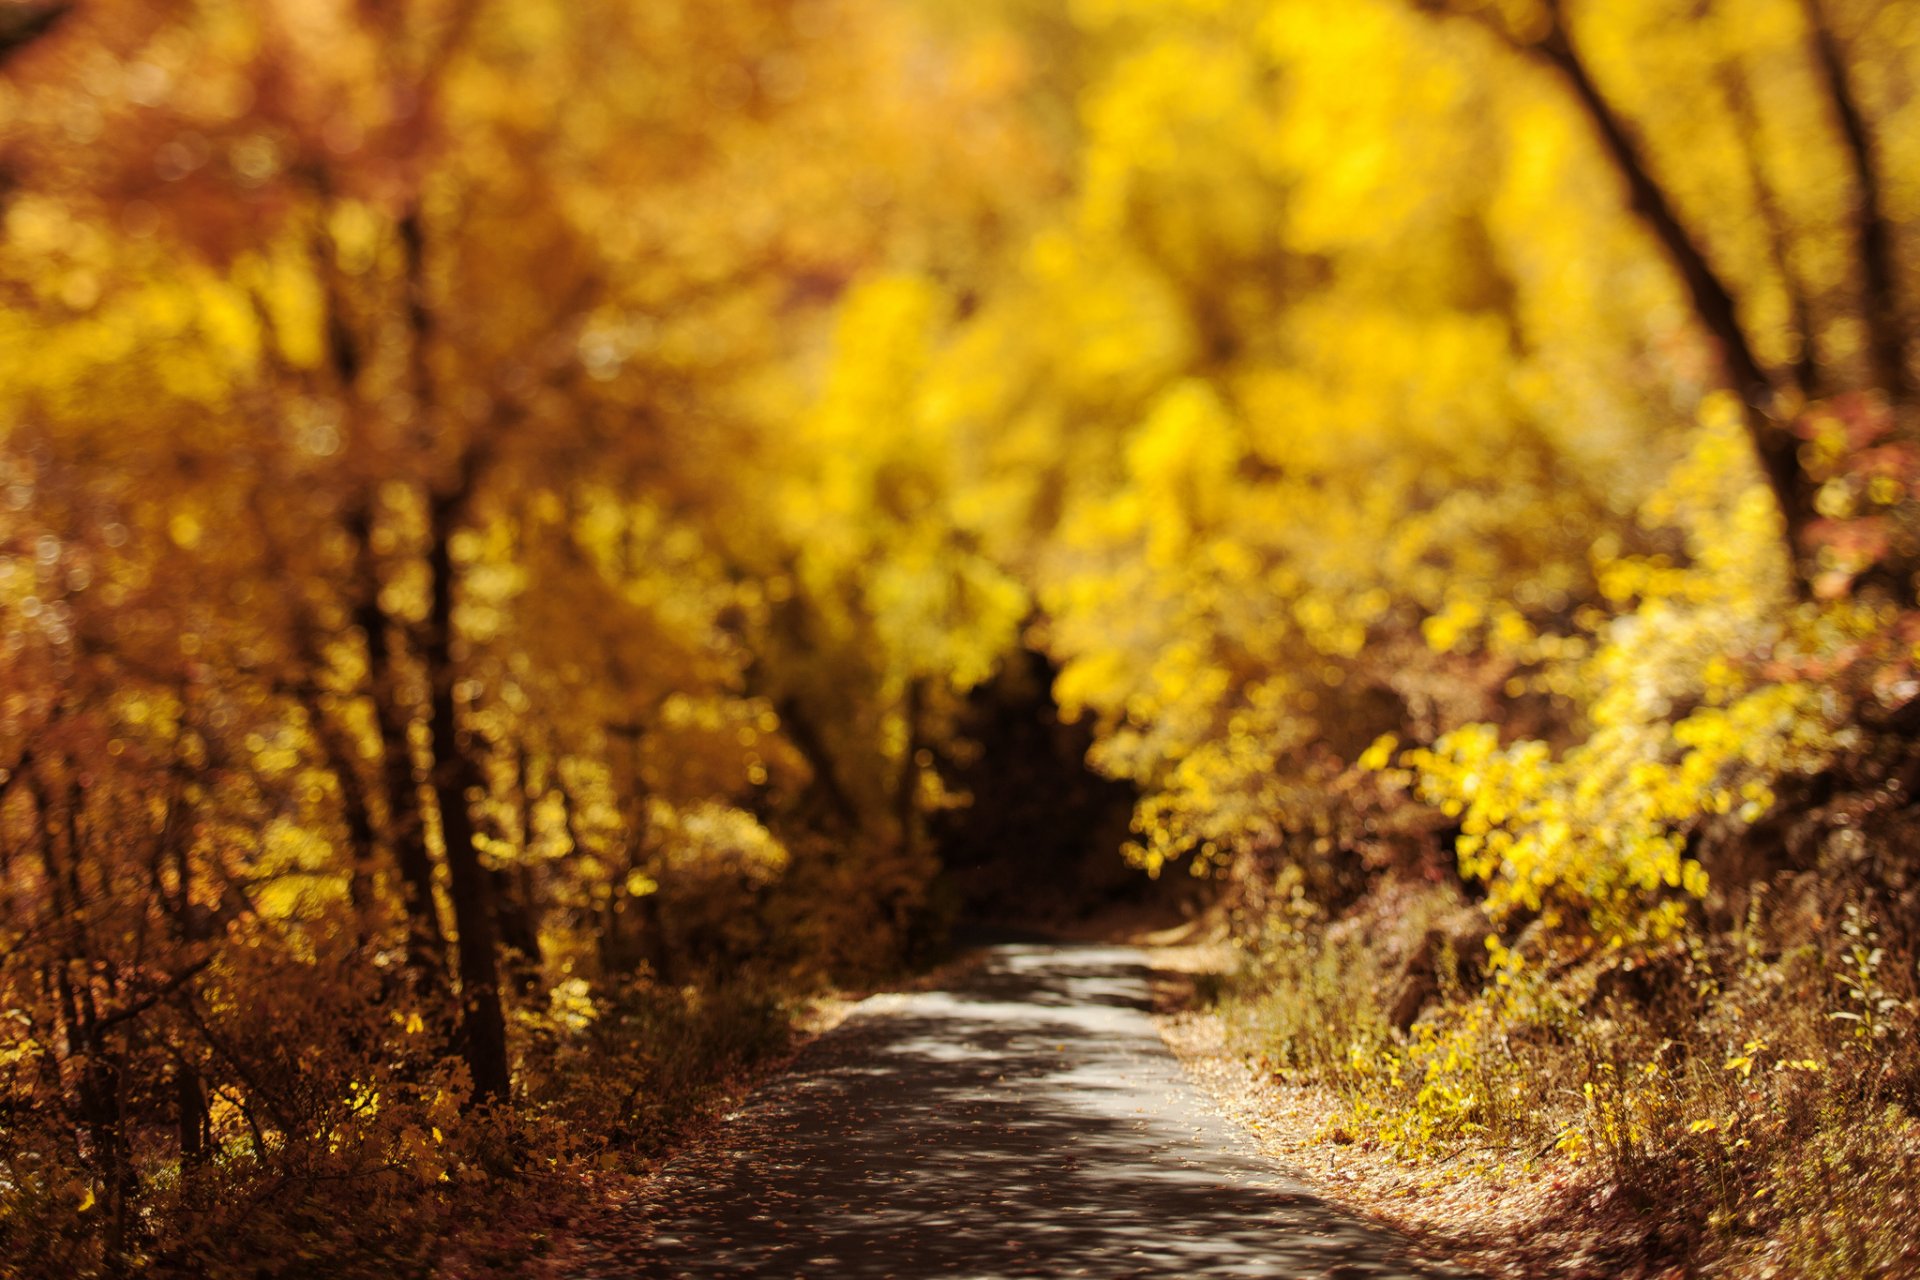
pixel 1544 32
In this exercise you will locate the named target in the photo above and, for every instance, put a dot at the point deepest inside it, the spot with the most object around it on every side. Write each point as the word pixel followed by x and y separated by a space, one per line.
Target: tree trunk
pixel 337 751
pixel 906 794
pixel 191 1114
pixel 516 896
pixel 456 776
pixel 406 829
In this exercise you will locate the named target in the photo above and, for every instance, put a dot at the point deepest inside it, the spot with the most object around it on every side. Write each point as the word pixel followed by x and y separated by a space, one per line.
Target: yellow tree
pixel 378 383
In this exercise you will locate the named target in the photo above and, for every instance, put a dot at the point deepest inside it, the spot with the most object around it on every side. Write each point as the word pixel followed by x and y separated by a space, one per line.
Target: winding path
pixel 1026 1121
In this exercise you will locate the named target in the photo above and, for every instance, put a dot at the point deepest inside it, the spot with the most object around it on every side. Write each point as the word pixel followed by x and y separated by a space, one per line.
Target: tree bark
pixel 191 1115
pixel 515 895
pixel 406 829
pixel 455 777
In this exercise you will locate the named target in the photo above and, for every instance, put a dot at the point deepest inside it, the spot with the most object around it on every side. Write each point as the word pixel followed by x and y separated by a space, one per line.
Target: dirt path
pixel 1026 1121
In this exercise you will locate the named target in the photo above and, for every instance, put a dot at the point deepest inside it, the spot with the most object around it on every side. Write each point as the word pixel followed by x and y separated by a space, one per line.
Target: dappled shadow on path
pixel 1027 1123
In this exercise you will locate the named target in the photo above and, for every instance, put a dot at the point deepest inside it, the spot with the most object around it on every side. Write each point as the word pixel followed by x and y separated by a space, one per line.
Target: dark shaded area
pixel 22 24
pixel 1026 1122
pixel 1041 843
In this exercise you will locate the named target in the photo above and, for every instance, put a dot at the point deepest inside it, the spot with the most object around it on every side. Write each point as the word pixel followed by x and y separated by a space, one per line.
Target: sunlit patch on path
pixel 1027 1121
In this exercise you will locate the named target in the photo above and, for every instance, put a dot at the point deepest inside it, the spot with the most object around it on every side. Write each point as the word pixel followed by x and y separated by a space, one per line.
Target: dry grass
pixel 1736 1106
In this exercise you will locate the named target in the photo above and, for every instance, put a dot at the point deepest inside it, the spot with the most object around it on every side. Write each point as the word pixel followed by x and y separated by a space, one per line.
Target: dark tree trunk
pixel 516 897
pixel 517 891
pixel 355 812
pixel 456 776
pixel 406 828
pixel 190 1114
pixel 906 795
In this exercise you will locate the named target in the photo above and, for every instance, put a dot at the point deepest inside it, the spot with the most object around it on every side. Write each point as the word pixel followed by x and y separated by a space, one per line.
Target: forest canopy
pixel 507 511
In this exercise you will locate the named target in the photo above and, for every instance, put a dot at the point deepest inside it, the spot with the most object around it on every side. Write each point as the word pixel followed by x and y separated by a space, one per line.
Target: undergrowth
pixel 408 1180
pixel 1748 1095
